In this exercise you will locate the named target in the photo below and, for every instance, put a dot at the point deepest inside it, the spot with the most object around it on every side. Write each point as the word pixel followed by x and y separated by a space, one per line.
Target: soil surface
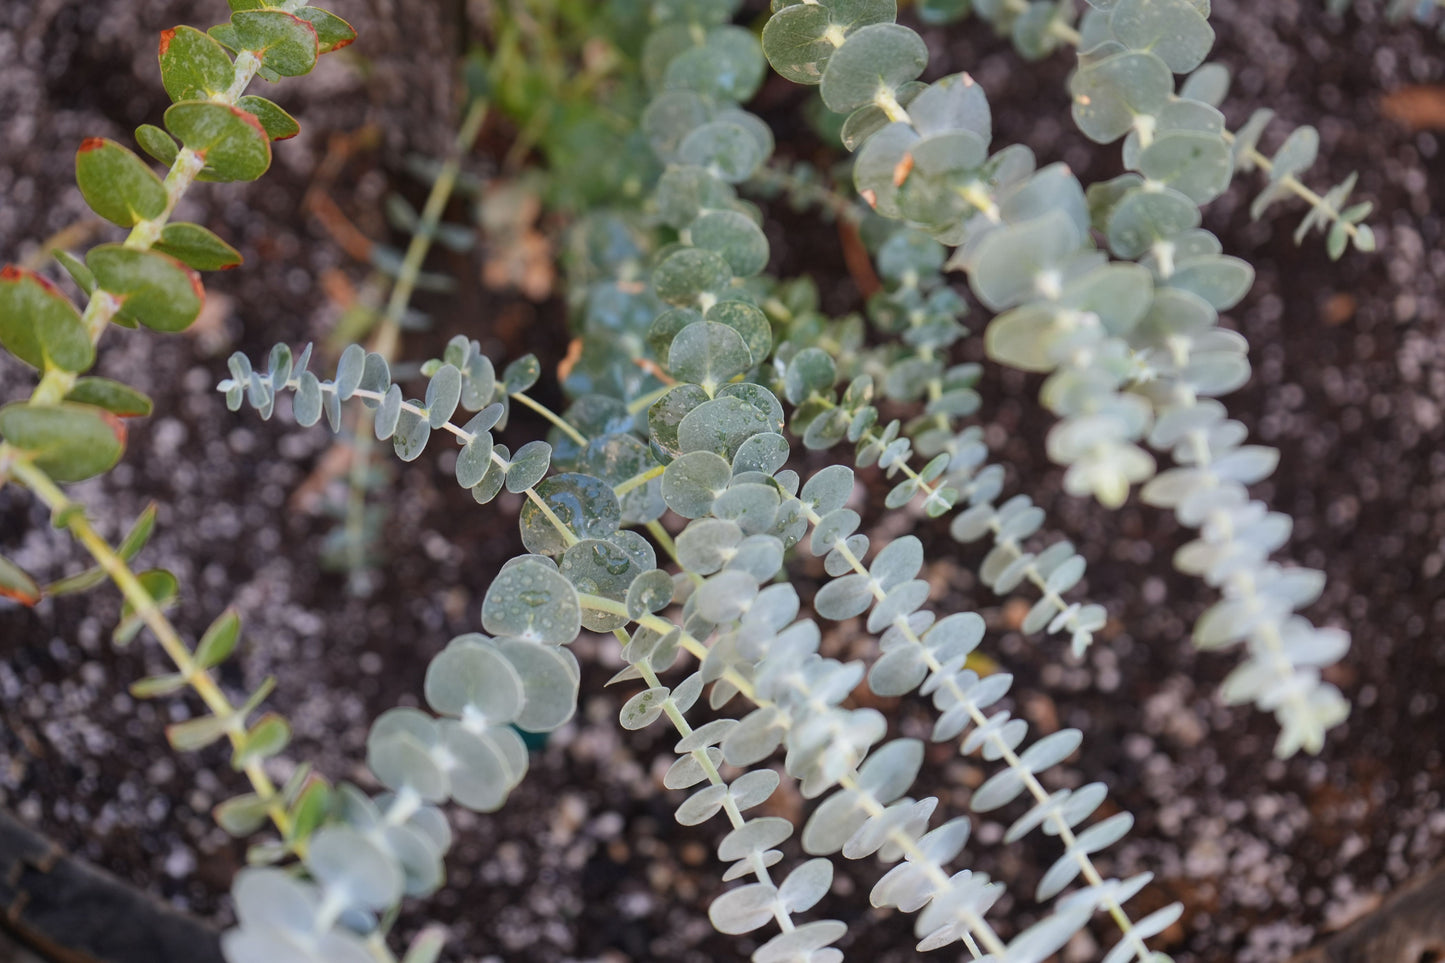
pixel 586 862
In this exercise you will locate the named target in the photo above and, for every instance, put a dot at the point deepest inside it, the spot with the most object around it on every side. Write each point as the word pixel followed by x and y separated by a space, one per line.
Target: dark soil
pixel 586 862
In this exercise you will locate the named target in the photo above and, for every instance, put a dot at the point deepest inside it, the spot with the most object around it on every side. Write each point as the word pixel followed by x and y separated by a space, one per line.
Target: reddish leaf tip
pixel 166 37
pixel 343 43
pixel 91 143
pixel 11 273
pixel 27 599
pixel 251 119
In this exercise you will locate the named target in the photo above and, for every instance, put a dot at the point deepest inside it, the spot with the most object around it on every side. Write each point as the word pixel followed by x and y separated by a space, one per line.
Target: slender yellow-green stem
pixel 416 251
pixel 388 331
pixel 197 677
pixel 551 416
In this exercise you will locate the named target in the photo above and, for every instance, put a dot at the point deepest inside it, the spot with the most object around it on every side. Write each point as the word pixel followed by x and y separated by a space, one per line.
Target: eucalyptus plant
pixel 666 504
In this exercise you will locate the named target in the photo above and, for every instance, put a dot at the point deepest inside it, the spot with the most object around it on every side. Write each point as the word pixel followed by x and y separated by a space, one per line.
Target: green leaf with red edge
pixel 332 33
pixel 129 547
pixel 283 42
pixel 117 184
pixel 277 124
pixel 230 140
pixel 163 587
pixel 268 737
pixel 16 584
pixel 197 247
pixel 193 65
pixel 154 288
pixel 68 442
pixel 39 325
pixel 116 398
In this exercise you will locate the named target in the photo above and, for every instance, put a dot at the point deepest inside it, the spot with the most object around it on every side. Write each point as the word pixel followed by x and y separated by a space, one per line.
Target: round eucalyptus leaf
pixel 342 859
pixel 479 382
pixel 880 57
pixel 899 561
pixel 707 544
pixel 1008 262
pixel 349 371
pixel 1109 93
pixel 748 321
pixel 754 836
pixel 796 42
pixel 398 751
pixel 806 885
pixel 529 600
pixel 474 460
pixel 473 680
pixel 693 482
pixel 549 683
pixel 724 597
pixel 811 371
pixel 266 896
pixel 708 355
pixel 664 417
pixel 1195 163
pixel 616 459
pixel 651 591
pixel 764 452
pixel 1174 30
pixel 955 102
pixel 701 805
pixel 585 505
pixel 598 567
pixel 688 274
pixel 728 65
pixel 486 489
pixel 480 776
pixel 412 433
pixel 829 489
pixel 734 236
pixel 642 709
pixel 721 426
pixel 685 191
pixel 727 150
pixel 744 909
pixel 528 466
pixel 898 671
pixel 306 407
pixel 521 374
pixel 1144 217
pixel 670 117
pixel 844 598
pixel 1222 281
pixel 443 392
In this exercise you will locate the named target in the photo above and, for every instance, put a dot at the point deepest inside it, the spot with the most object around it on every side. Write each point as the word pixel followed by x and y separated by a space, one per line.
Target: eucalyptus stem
pixel 197 677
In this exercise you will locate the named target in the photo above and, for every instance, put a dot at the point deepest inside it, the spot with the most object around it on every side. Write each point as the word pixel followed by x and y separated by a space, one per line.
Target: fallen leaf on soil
pixel 1417 107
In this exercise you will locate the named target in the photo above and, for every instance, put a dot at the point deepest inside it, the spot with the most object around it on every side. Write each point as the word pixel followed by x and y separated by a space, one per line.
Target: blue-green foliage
pixel 695 371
